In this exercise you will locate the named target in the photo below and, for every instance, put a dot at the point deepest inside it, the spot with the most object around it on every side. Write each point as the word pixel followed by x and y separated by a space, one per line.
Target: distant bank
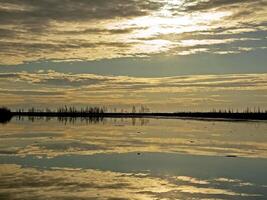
pixel 6 114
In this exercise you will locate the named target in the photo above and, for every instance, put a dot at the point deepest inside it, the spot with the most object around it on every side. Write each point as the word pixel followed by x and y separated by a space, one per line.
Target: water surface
pixel 132 159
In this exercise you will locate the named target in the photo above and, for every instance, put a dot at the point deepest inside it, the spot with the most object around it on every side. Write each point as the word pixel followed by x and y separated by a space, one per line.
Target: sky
pixel 169 55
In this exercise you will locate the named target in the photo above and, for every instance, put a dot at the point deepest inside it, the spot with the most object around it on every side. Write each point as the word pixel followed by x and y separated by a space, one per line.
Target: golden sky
pixel 187 54
pixel 97 29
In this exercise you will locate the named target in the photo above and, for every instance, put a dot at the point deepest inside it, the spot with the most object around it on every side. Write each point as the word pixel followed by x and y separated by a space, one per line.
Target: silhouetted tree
pixel 5 115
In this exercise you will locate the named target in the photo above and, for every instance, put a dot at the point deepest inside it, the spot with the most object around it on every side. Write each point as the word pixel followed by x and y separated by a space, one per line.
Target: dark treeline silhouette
pixel 98 113
pixel 62 111
pixel 5 115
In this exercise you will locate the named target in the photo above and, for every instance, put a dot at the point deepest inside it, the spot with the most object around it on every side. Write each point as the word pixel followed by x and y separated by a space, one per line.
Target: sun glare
pixel 164 22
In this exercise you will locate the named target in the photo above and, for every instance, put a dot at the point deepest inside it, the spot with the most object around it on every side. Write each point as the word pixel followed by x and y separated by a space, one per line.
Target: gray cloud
pixel 24 22
pixel 197 5
pixel 58 46
pixel 43 11
pixel 78 80
pixel 83 30
pixel 31 92
pixel 99 30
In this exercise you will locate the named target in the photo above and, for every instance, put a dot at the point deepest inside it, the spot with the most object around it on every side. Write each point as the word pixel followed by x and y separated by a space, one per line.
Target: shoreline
pixel 182 115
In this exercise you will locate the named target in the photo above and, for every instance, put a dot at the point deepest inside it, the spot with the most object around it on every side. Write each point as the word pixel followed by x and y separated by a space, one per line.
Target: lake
pixel 142 159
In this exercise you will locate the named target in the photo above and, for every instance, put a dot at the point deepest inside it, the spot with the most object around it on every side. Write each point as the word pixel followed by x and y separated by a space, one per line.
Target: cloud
pixel 58 79
pixel 197 5
pixel 67 183
pixel 103 185
pixel 31 92
pixel 91 30
pixel 202 91
pixel 31 12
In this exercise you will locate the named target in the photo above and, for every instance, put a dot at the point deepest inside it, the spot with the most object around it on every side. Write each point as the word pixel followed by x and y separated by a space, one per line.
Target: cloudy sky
pixel 167 54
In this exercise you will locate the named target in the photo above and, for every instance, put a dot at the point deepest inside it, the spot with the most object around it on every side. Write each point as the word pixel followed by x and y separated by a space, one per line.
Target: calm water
pixel 133 159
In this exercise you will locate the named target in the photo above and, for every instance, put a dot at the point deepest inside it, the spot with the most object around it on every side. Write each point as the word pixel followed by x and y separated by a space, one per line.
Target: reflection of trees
pixel 87 120
pixel 133 121
pixel 141 121
pixel 64 120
